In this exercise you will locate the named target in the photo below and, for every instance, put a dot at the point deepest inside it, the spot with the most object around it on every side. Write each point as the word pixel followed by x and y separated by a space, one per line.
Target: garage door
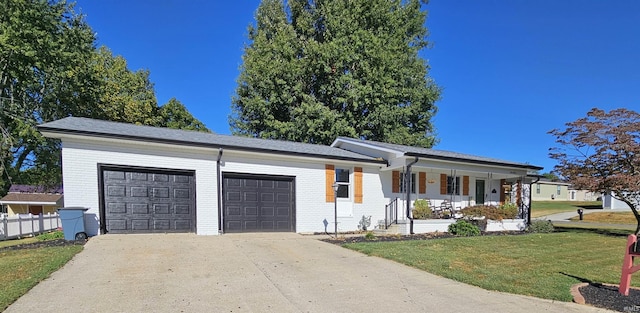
pixel 258 203
pixel 148 201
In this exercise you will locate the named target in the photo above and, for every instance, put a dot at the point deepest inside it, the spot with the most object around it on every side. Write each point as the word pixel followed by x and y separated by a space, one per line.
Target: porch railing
pixel 391 213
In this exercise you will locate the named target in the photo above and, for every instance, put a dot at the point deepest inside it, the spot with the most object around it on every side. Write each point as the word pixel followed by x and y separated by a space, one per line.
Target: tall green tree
pixel 51 69
pixel 314 70
pixel 174 114
pixel 43 47
pixel 123 95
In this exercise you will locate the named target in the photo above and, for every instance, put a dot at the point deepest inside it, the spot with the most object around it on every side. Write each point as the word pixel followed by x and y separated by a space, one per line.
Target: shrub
pixel 421 209
pixel 540 226
pixel 508 210
pixel 51 235
pixel 370 236
pixel 464 228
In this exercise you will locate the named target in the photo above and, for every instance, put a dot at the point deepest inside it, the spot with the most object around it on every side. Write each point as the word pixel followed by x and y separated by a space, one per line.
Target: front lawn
pixel 608 218
pixel 542 208
pixel 539 265
pixel 24 268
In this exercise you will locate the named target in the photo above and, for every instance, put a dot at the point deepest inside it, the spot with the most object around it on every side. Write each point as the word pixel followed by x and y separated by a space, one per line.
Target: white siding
pixel 80 174
pixel 311 206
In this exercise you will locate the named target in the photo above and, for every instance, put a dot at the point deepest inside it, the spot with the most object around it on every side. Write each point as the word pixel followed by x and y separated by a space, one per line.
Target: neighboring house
pixel 611 203
pixel 24 199
pixel 146 179
pixel 546 190
pixel 582 195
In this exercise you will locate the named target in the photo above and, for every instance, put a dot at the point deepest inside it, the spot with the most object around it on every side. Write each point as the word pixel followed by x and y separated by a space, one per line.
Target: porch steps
pixel 392 230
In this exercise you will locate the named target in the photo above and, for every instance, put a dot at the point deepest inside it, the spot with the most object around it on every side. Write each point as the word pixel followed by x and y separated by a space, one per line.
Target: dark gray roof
pixel 107 129
pixel 441 154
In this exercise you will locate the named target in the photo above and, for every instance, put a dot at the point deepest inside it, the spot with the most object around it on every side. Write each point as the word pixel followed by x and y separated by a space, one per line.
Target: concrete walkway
pixel 254 273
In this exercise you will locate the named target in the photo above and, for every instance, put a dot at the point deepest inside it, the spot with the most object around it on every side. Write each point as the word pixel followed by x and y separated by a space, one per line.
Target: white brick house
pixel 145 179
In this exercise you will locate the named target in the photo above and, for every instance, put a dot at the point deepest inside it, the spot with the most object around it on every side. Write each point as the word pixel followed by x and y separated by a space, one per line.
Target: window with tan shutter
pixel 443 184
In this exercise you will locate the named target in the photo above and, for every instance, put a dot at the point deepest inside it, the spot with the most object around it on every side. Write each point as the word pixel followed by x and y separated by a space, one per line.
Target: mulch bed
pixel 383 238
pixel 42 244
pixel 607 297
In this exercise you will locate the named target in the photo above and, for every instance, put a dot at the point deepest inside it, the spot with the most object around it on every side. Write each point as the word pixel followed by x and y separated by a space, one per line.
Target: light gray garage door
pixel 148 201
pixel 256 203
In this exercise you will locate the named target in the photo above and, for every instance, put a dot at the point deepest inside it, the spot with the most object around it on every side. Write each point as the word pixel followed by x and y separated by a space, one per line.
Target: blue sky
pixel 510 70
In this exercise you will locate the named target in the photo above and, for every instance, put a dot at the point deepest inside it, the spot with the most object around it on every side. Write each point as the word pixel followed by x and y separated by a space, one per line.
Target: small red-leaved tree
pixel 601 153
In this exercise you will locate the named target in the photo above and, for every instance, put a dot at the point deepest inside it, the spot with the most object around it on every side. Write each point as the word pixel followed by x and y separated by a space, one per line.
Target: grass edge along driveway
pixel 24 268
pixel 539 265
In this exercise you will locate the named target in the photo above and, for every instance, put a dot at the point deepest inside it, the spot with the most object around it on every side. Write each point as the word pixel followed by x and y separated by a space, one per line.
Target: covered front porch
pixel 447 191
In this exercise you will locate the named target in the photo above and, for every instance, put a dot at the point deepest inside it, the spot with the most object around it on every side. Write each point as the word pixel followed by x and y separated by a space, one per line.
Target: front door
pixel 479 191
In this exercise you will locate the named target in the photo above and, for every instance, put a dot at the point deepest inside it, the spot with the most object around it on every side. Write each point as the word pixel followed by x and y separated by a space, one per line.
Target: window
pixel 538 188
pixel 342 179
pixel 453 185
pixel 402 183
pixel 558 190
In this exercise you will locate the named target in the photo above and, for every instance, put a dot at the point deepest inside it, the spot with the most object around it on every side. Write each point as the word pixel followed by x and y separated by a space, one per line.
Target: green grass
pixel 608 218
pixel 539 265
pixel 23 269
pixel 14 242
pixel 541 208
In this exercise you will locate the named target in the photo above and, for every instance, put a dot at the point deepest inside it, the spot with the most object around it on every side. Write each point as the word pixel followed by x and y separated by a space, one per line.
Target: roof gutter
pixel 51 131
pixel 219 180
pixel 439 157
pixel 530 196
pixel 407 188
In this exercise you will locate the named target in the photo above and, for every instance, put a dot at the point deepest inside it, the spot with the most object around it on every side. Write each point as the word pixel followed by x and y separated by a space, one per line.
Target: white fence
pixel 25 225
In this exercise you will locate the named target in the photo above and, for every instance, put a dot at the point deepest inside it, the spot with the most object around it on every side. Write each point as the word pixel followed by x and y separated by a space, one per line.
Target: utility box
pixel 72 219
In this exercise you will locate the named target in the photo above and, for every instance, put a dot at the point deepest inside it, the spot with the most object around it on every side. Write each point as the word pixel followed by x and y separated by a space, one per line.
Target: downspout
pixel 531 196
pixel 219 179
pixel 407 187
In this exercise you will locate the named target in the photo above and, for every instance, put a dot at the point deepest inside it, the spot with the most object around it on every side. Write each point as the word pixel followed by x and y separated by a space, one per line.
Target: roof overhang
pixel 62 134
pixel 471 161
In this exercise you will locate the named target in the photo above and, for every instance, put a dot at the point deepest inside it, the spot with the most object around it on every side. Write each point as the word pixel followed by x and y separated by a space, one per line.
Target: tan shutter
pixel 443 184
pixel 502 190
pixel 330 177
pixel 519 194
pixel 465 185
pixel 395 181
pixel 422 180
pixel 357 173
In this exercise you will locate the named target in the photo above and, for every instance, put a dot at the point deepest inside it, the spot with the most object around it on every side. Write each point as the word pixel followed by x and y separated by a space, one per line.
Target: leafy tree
pixel 551 176
pixel 43 45
pixel 601 153
pixel 50 69
pixel 174 114
pixel 123 95
pixel 315 70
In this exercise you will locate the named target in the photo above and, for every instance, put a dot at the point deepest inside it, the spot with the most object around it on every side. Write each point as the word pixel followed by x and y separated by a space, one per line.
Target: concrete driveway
pixel 254 273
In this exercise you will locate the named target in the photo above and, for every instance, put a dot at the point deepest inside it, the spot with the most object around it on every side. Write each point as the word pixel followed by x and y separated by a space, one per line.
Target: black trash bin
pixel 73 223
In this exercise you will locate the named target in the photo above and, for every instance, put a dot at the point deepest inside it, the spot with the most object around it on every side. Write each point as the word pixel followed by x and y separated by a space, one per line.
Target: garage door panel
pixel 116 224
pixel 257 203
pixel 146 201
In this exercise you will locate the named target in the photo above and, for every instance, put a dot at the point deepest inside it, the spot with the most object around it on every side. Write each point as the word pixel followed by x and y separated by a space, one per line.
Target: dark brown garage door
pixel 256 203
pixel 148 201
